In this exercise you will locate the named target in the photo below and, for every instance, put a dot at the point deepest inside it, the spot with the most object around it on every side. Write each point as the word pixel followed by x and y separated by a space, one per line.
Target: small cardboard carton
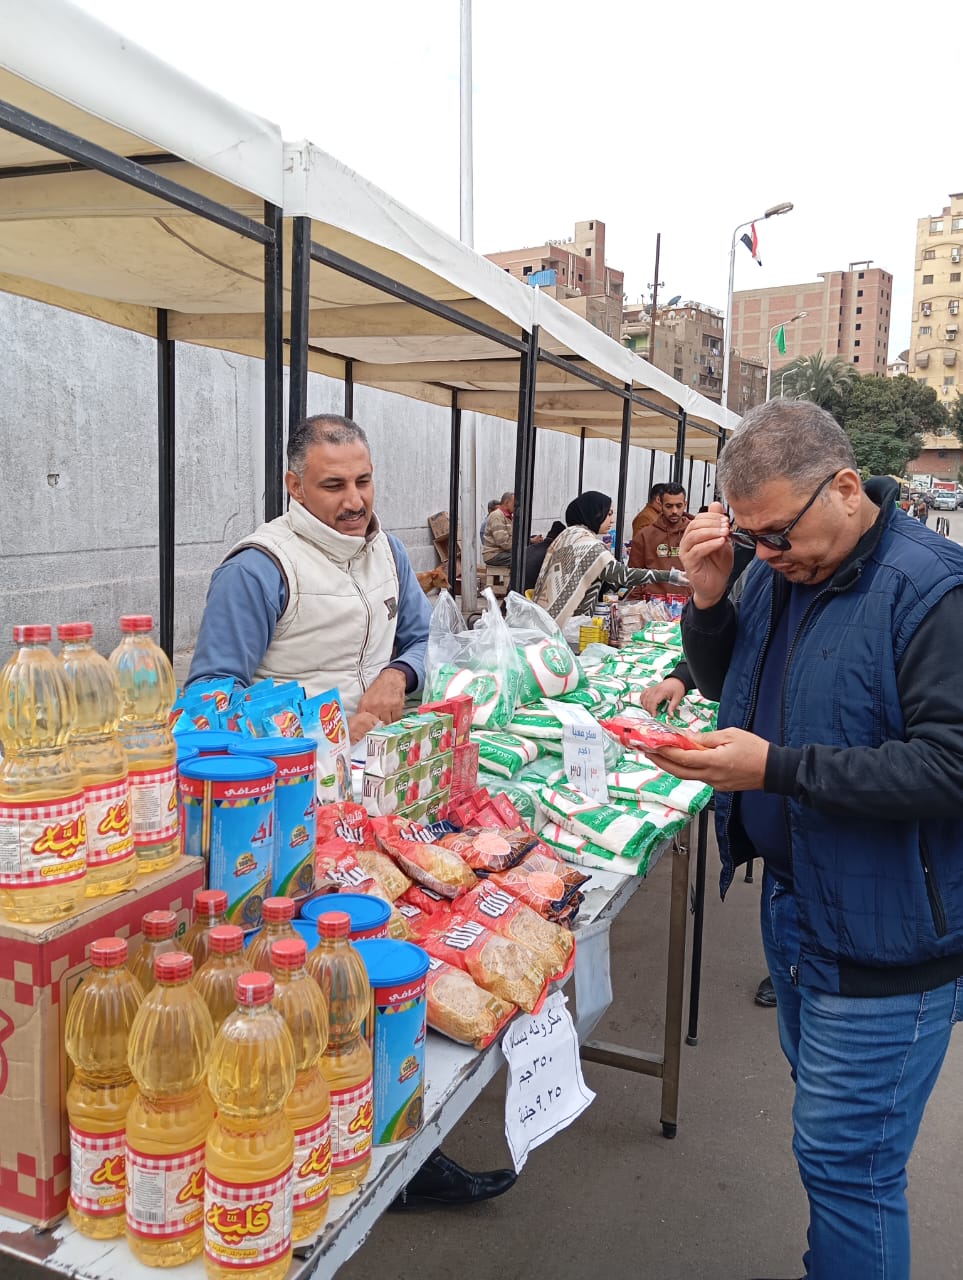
pixel 407 743
pixel 41 966
pixel 460 707
pixel 464 776
pixel 409 787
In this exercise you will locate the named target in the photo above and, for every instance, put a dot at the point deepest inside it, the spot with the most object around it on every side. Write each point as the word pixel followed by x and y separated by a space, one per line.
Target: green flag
pixel 779 338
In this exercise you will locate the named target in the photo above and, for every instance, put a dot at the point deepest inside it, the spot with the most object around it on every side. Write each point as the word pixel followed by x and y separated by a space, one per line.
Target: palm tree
pixel 813 378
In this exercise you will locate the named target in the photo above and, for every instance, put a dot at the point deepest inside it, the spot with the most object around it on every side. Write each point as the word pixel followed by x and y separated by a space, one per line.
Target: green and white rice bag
pixel 640 781
pixel 548 668
pixel 615 829
pixel 584 853
pixel 535 722
pixel 492 692
pixel 504 753
pixel 668 634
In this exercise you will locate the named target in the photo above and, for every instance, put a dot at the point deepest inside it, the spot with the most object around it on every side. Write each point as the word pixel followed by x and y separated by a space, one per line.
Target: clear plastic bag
pixel 482 663
pixel 547 664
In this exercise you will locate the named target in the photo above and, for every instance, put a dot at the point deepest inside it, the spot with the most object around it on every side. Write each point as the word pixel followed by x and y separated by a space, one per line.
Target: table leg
pixel 675 989
pixel 698 914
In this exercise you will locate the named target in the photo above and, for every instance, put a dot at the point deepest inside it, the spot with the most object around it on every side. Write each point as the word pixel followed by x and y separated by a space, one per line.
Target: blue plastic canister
pixel 207 742
pixel 295 790
pixel 396 1029
pixel 229 821
pixel 369 915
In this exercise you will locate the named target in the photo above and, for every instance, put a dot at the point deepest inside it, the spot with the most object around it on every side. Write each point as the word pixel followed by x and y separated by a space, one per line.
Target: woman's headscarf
pixel 590 509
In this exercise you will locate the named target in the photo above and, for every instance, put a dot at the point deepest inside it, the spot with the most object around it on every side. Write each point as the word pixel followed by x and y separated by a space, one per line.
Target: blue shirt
pixel 247 596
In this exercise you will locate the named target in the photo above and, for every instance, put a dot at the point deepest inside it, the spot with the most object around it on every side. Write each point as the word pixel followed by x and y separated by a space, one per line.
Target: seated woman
pixel 578 564
pixel 535 555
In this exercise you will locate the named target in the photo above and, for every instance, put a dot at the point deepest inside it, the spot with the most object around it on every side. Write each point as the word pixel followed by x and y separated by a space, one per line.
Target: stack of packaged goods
pixel 409 767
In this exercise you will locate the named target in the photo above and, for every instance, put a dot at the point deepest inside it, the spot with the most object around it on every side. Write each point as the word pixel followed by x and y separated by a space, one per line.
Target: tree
pixel 955 416
pixel 816 379
pixel 885 419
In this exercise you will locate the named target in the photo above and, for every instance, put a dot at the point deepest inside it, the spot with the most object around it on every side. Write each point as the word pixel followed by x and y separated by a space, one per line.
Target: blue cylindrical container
pixel 369 915
pixel 295 793
pixel 229 821
pixel 396 1028
pixel 207 742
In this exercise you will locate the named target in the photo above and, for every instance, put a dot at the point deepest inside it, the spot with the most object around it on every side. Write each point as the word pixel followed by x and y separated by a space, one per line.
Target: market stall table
pixel 455 1076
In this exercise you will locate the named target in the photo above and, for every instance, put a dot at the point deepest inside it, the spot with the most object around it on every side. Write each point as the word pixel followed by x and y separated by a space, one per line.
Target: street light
pixel 801 316
pixel 776 209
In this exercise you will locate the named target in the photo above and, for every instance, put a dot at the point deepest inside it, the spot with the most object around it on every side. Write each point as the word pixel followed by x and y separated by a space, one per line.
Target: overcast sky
pixel 680 118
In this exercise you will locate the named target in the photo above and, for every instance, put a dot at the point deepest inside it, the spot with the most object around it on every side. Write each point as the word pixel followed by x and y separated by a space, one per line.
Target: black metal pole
pixel 698 911
pixel 688 487
pixel 651 474
pixel 626 445
pixel 300 313
pixel 165 481
pixel 349 388
pixel 454 476
pixel 679 463
pixel 524 451
pixel 273 365
pixel 581 459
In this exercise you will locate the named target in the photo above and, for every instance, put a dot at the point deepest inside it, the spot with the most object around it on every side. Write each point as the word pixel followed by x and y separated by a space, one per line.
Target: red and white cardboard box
pixel 41 966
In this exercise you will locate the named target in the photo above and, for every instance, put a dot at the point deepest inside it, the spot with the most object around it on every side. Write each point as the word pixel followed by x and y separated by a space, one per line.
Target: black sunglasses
pixel 777 541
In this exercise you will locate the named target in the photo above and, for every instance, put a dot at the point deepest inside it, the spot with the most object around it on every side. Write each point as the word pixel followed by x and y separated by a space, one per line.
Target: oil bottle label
pixel 312 1164
pixel 153 799
pixel 43 844
pixel 109 837
pixel 352 1121
pixel 165 1194
pixel 97 1172
pixel 248 1225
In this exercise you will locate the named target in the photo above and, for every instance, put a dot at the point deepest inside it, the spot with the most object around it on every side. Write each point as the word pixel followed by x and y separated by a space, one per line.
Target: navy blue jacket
pixel 871 758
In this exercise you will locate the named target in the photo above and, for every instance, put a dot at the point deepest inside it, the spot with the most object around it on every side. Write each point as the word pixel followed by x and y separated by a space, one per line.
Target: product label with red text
pixel 43 843
pixel 352 1124
pixel 153 802
pixel 109 835
pixel 247 1225
pixel 97 1172
pixel 165 1194
pixel 312 1164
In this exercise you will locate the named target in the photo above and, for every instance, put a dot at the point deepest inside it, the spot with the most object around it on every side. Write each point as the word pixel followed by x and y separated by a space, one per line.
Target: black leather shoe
pixel 441 1181
pixel 766 993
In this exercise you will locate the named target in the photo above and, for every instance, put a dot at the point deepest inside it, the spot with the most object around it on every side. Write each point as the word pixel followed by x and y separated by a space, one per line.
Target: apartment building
pixel 575 272
pixel 843 313
pixel 937 290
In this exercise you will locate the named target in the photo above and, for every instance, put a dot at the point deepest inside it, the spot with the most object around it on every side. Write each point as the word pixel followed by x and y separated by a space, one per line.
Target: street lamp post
pixel 800 316
pixel 776 209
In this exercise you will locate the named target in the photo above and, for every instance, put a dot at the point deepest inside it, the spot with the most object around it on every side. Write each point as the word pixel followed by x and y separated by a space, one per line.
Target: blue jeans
pixel 864 1069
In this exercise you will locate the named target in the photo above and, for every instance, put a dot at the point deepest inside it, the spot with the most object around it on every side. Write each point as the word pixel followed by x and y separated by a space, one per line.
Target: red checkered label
pixel 109 837
pixel 97 1172
pixel 153 801
pixel 248 1225
pixel 352 1122
pixel 165 1194
pixel 43 844
pixel 312 1164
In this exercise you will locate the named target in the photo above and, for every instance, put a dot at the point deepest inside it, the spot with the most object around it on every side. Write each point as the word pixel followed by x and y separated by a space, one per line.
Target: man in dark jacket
pixel 839 761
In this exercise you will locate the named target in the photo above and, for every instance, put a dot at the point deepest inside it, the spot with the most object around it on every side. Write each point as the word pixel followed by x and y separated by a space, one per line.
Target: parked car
pixel 945 500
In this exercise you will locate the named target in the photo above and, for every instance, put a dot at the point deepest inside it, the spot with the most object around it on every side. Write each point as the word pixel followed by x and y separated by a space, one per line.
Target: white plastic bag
pixel 480 662
pixel 548 667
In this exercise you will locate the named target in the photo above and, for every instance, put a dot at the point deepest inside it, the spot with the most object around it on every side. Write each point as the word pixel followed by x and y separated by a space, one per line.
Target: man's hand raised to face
pixel 707 556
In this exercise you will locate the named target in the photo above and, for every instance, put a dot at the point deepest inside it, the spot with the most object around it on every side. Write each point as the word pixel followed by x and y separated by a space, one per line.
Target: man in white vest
pixel 324 596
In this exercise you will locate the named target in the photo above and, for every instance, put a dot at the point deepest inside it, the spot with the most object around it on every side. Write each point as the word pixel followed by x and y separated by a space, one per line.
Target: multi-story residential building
pixel 575 272
pixel 940 457
pixel 847 314
pixel 899 366
pixel 937 290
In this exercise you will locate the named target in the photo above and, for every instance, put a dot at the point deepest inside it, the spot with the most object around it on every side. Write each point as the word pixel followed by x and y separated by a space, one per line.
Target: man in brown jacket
pixel 656 546
pixel 651 511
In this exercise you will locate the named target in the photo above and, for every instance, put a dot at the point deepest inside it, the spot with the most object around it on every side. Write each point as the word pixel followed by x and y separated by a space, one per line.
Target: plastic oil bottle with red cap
pixel 215 980
pixel 210 910
pixel 99 1095
pixel 249 1158
pixel 346 1062
pixel 297 997
pixel 100 760
pixel 276 916
pixel 168 1121
pixel 43 840
pixel 158 928
pixel 147 689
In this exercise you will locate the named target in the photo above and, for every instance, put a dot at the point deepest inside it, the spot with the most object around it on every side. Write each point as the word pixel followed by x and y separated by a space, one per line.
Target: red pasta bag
pixel 430 865
pixel 462 1010
pixel 344 821
pixel 648 734
pixel 426 912
pixel 496 909
pixel 337 861
pixel 488 849
pixel 506 968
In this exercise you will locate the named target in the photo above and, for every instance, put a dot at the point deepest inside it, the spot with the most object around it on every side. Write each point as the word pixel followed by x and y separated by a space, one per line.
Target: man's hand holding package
pixel 384 697
pixel 670 691
pixel 734 760
pixel 707 556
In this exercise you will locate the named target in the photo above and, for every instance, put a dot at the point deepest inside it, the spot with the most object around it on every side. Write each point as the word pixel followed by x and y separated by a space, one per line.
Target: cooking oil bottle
pixel 276 917
pixel 99 1095
pixel 43 831
pixel 158 928
pixel 216 978
pixel 147 690
pixel 101 762
pixel 169 1050
pixel 210 910
pixel 346 1062
pixel 250 1148
pixel 297 998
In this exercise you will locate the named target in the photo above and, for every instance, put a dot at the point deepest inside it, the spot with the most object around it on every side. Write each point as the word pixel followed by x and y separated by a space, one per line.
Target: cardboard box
pixel 407 743
pixel 40 968
pixel 409 787
pixel 460 708
pixel 464 775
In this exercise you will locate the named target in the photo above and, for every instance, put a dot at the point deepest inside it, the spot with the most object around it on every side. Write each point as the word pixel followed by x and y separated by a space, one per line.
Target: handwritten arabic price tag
pixel 583 749
pixel 546 1091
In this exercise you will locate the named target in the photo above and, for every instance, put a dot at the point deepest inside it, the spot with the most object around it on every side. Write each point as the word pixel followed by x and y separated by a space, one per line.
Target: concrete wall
pixel 78 461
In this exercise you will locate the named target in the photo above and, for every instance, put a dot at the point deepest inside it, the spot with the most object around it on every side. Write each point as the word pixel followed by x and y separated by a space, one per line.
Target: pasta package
pixel 485 849
pixel 383 869
pixel 507 969
pixel 462 1010
pixel 544 883
pixel 500 911
pixel 431 865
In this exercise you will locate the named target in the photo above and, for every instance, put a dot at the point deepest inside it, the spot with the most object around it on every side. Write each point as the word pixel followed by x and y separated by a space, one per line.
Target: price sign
pixel 546 1091
pixel 583 749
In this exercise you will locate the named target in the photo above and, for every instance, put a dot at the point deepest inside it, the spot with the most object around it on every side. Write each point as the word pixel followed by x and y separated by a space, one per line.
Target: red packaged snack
pixel 506 968
pixel 344 821
pixel 497 909
pixel 431 865
pixel 649 734
pixel 337 861
pixel 510 817
pixel 488 849
pixel 462 1010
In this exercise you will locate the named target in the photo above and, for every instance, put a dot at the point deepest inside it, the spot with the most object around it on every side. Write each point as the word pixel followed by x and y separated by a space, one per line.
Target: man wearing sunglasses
pixel 840 763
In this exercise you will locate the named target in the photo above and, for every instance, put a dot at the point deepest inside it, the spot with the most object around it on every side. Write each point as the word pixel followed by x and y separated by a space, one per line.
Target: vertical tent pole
pixel 165 481
pixel 524 457
pixel 454 473
pixel 625 447
pixel 679 463
pixel 581 459
pixel 651 473
pixel 300 316
pixel 349 388
pixel 688 488
pixel 273 365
